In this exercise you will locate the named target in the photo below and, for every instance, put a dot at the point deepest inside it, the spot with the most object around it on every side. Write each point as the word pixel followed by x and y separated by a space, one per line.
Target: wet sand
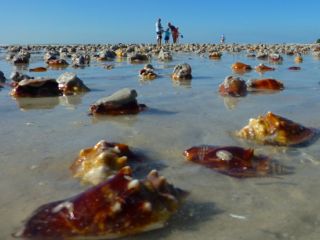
pixel 41 137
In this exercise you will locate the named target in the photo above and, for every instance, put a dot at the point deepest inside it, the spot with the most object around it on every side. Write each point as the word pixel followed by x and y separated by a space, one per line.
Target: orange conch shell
pixel 266 84
pixel 276 130
pixel 38 69
pixel 94 165
pixel 240 67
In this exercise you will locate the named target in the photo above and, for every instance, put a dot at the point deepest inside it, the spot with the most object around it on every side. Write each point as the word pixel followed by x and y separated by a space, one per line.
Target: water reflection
pixel 120 59
pixel 182 83
pixel 27 103
pixel 127 120
pixel 21 67
pixel 61 67
pixel 71 101
pixel 231 102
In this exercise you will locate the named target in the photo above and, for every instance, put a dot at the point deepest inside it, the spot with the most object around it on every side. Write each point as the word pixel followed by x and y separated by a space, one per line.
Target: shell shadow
pixel 192 214
pixel 189 218
pixel 142 164
pixel 154 111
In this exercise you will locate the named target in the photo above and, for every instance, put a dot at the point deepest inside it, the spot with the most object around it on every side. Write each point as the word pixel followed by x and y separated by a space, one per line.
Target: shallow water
pixel 41 137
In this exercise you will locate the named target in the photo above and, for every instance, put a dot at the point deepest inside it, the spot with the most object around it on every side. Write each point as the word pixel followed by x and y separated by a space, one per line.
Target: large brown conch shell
pixel 118 207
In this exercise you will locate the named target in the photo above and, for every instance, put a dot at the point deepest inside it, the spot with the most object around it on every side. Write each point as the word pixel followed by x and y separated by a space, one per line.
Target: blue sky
pixel 133 21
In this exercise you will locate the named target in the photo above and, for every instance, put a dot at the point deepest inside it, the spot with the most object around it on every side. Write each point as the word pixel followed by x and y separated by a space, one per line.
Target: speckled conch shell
pixel 276 130
pixel 233 86
pixel 147 73
pixel 118 207
pixel 57 62
pixel 94 165
pixel 240 67
pixel 265 84
pixel 233 161
pixel 275 57
pixel 70 84
pixel 215 55
pixel 182 72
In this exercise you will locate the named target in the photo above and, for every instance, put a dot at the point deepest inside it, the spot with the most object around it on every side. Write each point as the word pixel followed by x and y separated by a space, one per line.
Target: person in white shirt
pixel 159 31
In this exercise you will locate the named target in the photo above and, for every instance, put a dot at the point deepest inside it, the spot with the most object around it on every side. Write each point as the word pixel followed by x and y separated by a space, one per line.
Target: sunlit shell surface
pixel 266 84
pixel 118 207
pixel 94 165
pixel 233 161
pixel 276 130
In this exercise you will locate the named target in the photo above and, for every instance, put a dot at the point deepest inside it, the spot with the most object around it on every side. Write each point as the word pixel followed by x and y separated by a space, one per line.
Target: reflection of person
pixel 159 31
pixel 167 35
pixel 222 39
pixel 174 32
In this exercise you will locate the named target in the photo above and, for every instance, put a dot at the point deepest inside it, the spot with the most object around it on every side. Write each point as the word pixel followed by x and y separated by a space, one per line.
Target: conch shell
pixel 118 207
pixel 276 130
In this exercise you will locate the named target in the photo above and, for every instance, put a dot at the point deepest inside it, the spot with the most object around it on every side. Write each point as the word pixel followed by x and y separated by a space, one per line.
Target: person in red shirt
pixel 174 32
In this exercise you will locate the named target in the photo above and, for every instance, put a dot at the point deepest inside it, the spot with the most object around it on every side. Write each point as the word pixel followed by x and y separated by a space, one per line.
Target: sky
pixel 133 21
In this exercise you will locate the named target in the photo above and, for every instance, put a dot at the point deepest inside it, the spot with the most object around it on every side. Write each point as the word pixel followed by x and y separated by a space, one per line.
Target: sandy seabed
pixel 41 137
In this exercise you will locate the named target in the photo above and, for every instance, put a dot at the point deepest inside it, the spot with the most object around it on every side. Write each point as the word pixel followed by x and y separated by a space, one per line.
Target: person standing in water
pixel 159 31
pixel 174 32
pixel 222 39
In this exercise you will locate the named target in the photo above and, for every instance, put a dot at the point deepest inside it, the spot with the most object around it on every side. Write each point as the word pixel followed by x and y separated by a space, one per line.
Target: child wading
pixel 167 36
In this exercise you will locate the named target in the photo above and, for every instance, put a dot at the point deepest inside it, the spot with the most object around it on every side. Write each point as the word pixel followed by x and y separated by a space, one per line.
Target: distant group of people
pixel 171 30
